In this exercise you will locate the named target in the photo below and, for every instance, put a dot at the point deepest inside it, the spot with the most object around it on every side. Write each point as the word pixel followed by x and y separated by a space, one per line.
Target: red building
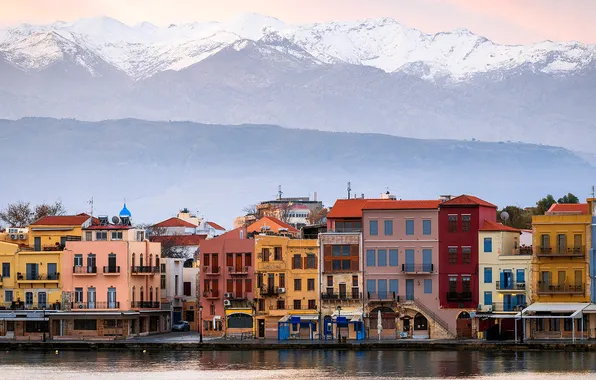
pixel 460 218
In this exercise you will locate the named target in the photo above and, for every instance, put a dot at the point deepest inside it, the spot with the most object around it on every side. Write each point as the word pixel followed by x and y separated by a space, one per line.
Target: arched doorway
pixel 387 318
pixel 464 325
pixel 421 330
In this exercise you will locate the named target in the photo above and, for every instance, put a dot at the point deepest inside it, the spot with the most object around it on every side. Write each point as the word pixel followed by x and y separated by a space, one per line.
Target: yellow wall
pixel 50 235
pixel 554 225
pixel 7 255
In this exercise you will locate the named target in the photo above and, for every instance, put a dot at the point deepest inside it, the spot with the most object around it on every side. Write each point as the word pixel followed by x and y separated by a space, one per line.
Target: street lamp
pixel 200 323
pixel 338 324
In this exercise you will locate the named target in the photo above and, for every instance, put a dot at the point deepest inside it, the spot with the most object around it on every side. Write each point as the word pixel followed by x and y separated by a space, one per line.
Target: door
pixel 342 291
pixel 409 260
pixel 261 328
pixel 91 298
pixel 37 243
pixel 410 290
pixel 507 303
pixel 10 326
pixel 111 263
pixel 239 289
pixel 561 243
pixel 28 299
pixel 561 278
pixel 41 300
pixel 111 298
pixel 52 271
pixel 91 263
pixel 407 325
pixel 32 272
pixel 238 263
pixel 62 242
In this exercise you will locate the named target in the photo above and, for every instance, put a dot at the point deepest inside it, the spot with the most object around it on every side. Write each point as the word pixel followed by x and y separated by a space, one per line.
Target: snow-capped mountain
pixel 143 50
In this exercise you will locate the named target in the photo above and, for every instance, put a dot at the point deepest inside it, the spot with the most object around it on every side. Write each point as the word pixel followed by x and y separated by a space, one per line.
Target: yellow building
pixel 560 277
pixel 287 286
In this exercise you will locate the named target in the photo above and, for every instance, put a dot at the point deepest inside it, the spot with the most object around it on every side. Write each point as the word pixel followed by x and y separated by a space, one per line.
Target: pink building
pixel 111 284
pixel 401 271
pixel 227 283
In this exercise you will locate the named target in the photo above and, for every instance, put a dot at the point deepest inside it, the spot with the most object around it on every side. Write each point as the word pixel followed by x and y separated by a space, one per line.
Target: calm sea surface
pixel 296 365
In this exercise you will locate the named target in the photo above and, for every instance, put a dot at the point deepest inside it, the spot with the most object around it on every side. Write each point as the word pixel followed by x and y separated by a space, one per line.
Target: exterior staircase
pixel 430 314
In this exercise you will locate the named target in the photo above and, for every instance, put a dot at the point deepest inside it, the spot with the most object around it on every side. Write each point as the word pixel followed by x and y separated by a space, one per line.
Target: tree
pixel 569 198
pixel 45 209
pixel 250 210
pixel 317 215
pixel 283 212
pixel 20 214
pixel 544 204
pixel 169 244
pixel 518 217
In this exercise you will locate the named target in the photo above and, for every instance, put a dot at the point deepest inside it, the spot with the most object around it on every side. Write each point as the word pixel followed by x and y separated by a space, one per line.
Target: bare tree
pixel 46 209
pixel 283 212
pixel 317 215
pixel 17 214
pixel 169 242
pixel 250 210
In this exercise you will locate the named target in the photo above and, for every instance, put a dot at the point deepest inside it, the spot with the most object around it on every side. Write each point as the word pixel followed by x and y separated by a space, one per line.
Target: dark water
pixel 296 365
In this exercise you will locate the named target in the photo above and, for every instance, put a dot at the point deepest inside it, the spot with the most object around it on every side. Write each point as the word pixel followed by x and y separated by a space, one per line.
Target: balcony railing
pixel 417 268
pixel 236 295
pixel 382 296
pixel 346 230
pixel 237 270
pixel 332 296
pixel 145 269
pixel 78 269
pixel 38 277
pixel 111 269
pixel 210 271
pixel 29 306
pixel 145 305
pixel 511 285
pixel 578 251
pixel 291 306
pixel 267 291
pixel 211 295
pixel 560 289
pixel 525 250
pixel 94 305
pixel 459 296
pixel 507 307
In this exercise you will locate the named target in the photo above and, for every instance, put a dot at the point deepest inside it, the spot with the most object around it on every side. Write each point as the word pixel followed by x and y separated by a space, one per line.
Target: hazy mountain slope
pixel 159 166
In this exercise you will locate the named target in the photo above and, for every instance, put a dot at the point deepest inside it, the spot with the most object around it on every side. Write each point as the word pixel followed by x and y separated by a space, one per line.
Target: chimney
pixel 362 195
pixel 315 196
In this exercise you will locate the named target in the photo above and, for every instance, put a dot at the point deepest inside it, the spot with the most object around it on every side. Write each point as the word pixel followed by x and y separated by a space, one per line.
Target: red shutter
pixel 305 262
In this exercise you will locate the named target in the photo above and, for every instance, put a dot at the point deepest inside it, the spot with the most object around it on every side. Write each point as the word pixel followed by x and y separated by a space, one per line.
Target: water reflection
pixel 295 364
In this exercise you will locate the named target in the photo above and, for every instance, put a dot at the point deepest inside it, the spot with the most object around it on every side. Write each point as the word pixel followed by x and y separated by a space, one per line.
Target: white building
pixel 172 278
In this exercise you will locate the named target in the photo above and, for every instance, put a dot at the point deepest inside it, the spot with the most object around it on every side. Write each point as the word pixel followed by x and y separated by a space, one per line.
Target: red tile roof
pixel 216 226
pixel 570 207
pixel 494 226
pixel 62 220
pixel 402 205
pixel 175 222
pixel 467 200
pixel 347 208
pixel 274 223
pixel 108 227
pixel 179 240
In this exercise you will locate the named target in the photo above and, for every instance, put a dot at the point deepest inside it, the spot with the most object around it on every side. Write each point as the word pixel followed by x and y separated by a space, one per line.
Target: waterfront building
pixel 190 278
pixel 560 291
pixel 287 286
pixel 272 225
pixel 401 271
pixel 460 219
pixel 172 286
pixel 111 283
pixel 504 287
pixel 226 281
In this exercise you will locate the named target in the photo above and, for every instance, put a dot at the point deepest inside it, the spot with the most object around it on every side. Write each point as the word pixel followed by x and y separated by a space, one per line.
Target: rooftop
pixel 256 226
pixel 467 200
pixel 216 226
pixel 62 220
pixel 402 205
pixel 494 226
pixel 179 240
pixel 175 222
pixel 569 208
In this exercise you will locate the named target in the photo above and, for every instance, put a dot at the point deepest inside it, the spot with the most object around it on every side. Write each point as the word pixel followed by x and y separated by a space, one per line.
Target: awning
pixel 574 309
pixel 590 309
pixel 32 319
pixel 303 317
pixel 498 316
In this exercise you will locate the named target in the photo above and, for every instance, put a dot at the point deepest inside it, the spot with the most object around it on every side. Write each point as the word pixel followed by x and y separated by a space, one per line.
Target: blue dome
pixel 124 213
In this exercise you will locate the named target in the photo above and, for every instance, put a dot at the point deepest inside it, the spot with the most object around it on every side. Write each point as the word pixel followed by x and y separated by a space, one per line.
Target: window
pixel 101 235
pixel 488 275
pixel 452 255
pixel 488 298
pixel 370 258
pixel 312 304
pixel 354 280
pixel 247 259
pixel 341 250
pixel 28 298
pixel 88 235
pixel 8 296
pixel 187 288
pixel 488 244
pixel 452 284
pixel 388 227
pixel 426 227
pixel 189 315
pixel 466 285
pixel 176 285
pixel 265 254
pixel 393 257
pixel 277 253
pixel 6 270
pixel 345 264
pixel 32 271
pixel 310 284
pixel 393 287
pixel 36 326
pixel 229 286
pixel 78 295
pixel 297 305
pixel 297 262
pixel 140 235
pixel 261 304
pixel 230 260
pixel 85 324
pixel 281 304
pixel 259 280
pixel 329 280
pixel 465 223
pixel 409 226
pixel 248 285
pixel 428 286
pixel 371 287
pixel 116 235
pixel 282 280
pixel 382 257
pixel 297 284
pixel 520 276
pixel 163 268
pixel 452 223
pixel 311 261
pixel 212 309
pixel 373 227
pixel 466 255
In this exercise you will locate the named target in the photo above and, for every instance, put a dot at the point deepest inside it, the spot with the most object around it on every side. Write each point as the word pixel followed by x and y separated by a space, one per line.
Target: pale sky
pixel 503 21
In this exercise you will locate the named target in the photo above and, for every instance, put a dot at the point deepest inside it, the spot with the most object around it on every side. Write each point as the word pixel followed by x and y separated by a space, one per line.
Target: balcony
pixel 111 270
pixel 236 296
pixel 95 305
pixel 459 296
pixel 79 269
pixel 417 268
pixel 29 306
pixel 145 305
pixel 210 271
pixel 512 286
pixel 382 296
pixel 45 278
pixel 290 306
pixel 269 291
pixel 141 270
pixel 237 270
pixel 506 307
pixel 348 296
pixel 578 251
pixel 211 295
pixel 551 289
pixel 525 250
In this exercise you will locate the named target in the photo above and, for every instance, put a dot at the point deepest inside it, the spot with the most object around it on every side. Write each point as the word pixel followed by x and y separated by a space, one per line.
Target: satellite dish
pixel 115 219
pixel 504 215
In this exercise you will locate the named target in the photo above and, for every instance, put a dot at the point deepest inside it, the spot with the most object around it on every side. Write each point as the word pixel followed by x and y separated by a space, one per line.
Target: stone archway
pixel 464 325
pixel 388 318
pixel 420 322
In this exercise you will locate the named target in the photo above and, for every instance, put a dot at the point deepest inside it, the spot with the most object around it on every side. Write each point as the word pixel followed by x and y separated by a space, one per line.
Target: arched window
pixel 420 322
pixel 156 295
pixel 133 259
pixel 134 290
pixel 142 294
pixel 157 261
pixel 150 260
pixel 151 294
pixel 141 260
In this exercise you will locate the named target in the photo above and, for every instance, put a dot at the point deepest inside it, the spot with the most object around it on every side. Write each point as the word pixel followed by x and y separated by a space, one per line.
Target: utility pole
pixel 349 189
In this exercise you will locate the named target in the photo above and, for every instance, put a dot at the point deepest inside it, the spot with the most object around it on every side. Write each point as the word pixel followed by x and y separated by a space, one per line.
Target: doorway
pixel 464 325
pixel 261 332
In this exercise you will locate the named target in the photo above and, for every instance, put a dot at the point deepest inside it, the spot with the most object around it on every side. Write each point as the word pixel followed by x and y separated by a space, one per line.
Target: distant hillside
pixel 159 166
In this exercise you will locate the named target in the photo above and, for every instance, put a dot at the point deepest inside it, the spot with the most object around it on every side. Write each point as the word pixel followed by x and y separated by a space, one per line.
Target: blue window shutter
pixel 388 227
pixel 488 298
pixel 370 258
pixel 521 276
pixel 371 286
pixel 373 226
pixel 488 244
pixel 488 275
pixel 394 287
pixel 409 260
pixel 428 286
pixel 502 279
pixel 393 258
pixel 382 289
pixel 409 227
pixel 427 260
pixel 426 227
pixel 382 258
